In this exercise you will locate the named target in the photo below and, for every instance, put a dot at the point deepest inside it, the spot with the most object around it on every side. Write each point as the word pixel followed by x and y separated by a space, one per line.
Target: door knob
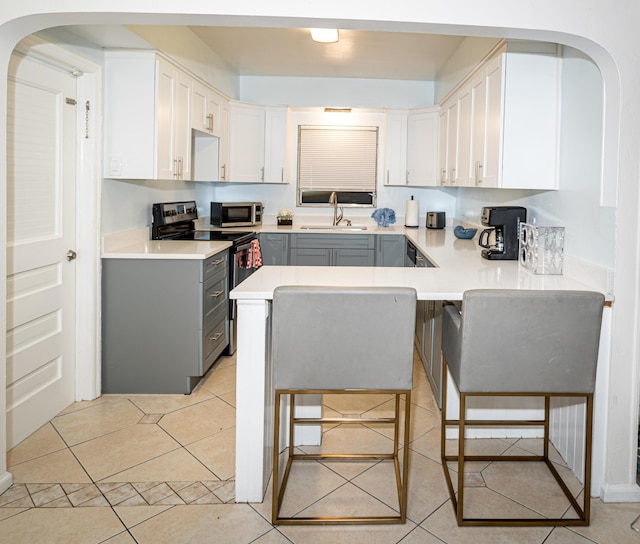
pixel 71 255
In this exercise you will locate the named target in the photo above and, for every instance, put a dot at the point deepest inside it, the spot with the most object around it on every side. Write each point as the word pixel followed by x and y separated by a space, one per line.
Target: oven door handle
pixel 243 247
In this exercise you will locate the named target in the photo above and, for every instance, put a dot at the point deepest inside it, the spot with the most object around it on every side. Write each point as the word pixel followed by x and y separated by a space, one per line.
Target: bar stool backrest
pixel 524 341
pixel 343 337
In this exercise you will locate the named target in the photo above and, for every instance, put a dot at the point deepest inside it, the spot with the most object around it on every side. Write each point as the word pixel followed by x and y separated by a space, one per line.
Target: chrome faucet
pixel 333 200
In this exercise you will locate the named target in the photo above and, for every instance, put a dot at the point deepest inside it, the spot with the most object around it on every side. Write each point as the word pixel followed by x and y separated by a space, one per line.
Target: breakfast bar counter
pixel 458 268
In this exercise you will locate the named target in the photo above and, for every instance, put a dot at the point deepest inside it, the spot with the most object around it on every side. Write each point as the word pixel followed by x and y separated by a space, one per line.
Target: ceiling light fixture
pixel 324 35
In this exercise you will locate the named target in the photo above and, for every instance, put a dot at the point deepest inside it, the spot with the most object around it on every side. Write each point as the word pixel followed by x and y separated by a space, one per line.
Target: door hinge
pixel 87 108
pixel 70 101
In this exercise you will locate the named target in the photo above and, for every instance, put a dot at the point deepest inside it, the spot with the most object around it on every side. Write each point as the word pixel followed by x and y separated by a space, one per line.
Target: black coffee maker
pixel 505 225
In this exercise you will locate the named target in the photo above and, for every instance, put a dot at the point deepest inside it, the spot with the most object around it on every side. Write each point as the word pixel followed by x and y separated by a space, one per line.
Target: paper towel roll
pixel 411 216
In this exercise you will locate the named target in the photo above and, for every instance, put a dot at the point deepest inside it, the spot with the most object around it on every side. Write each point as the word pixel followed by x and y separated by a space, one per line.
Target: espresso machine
pixel 504 223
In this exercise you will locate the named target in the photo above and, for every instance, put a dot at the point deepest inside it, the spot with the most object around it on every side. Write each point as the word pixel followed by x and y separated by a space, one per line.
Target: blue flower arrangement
pixel 384 217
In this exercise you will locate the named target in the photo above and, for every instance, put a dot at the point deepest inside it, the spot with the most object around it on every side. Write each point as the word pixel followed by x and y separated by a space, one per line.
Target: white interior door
pixel 41 176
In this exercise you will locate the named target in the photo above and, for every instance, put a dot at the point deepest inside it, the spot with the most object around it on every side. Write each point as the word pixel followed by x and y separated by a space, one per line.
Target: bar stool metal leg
pixel 401 472
pixel 458 501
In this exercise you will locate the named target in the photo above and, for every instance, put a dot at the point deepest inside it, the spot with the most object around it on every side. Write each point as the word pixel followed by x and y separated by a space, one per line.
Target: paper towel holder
pixel 412 213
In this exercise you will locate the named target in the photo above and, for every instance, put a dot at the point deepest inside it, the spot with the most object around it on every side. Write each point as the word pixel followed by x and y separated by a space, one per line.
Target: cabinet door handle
pixel 262 174
pixel 282 174
pixel 224 172
pixel 175 168
pixel 180 165
pixel 387 177
pixel 216 294
pixel 219 261
pixel 407 178
pixel 478 173
pixel 215 337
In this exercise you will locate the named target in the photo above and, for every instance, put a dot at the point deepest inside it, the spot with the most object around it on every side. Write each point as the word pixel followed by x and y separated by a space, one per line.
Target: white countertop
pixel 459 267
pixel 135 244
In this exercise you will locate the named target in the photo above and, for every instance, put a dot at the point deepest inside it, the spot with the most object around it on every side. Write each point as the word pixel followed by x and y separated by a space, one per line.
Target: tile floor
pixel 156 469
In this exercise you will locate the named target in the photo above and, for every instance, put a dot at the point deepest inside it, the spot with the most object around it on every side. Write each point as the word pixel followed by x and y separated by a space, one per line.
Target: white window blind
pixel 337 158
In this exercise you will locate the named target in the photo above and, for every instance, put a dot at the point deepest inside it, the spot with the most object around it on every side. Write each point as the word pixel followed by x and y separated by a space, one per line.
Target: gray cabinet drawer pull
pixel 216 263
pixel 216 294
pixel 216 337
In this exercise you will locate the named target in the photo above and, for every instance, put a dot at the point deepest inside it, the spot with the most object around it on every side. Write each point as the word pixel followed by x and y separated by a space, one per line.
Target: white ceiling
pixel 291 52
pixel 358 53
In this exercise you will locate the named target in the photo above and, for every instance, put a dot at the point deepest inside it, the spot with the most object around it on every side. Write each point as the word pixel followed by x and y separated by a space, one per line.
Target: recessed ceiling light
pixel 324 35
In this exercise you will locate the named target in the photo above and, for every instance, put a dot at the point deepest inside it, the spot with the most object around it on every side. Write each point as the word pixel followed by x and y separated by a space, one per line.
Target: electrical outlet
pixel 115 166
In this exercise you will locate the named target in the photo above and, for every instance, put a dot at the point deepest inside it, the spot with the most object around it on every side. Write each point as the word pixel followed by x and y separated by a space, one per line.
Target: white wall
pixel 126 204
pixel 589 227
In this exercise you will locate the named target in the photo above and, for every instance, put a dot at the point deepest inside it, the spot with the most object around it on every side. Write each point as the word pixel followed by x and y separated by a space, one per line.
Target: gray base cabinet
pixel 274 248
pixel 164 322
pixel 332 250
pixel 428 343
pixel 390 250
pixel 308 249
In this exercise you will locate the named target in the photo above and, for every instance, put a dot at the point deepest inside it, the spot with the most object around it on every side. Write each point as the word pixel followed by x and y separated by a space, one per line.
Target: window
pixel 342 159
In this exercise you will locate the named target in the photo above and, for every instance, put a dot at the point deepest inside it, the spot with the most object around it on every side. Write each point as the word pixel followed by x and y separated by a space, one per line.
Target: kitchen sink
pixel 331 227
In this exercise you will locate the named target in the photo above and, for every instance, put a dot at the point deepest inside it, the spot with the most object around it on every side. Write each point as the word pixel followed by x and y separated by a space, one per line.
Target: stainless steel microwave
pixel 236 214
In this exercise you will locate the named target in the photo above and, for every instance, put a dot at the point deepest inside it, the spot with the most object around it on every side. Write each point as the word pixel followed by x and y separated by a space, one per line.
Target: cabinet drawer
pixel 333 241
pixel 214 341
pixel 214 265
pixel 216 293
pixel 311 257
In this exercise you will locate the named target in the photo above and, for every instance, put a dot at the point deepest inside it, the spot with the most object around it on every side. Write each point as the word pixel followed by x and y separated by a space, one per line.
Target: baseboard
pixel 5 482
pixel 620 493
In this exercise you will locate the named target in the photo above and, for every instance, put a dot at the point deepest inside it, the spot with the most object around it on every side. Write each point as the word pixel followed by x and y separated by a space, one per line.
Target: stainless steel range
pixel 175 221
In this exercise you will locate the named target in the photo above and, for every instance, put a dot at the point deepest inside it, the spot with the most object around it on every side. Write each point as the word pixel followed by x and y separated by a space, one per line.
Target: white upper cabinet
pixel 246 143
pixel 130 114
pixel 396 147
pixel 443 145
pixel 173 114
pixel 422 147
pixel 452 139
pixel 462 164
pixel 224 140
pixel 514 119
pixel 412 147
pixel 209 133
pixel 276 145
pixel 530 113
pixel 478 89
pixel 206 107
pixel 490 122
pixel 258 143
pixel 147 117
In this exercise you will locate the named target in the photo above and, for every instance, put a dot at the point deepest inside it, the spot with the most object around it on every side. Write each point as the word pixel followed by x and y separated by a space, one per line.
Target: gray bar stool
pixel 528 344
pixel 342 340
